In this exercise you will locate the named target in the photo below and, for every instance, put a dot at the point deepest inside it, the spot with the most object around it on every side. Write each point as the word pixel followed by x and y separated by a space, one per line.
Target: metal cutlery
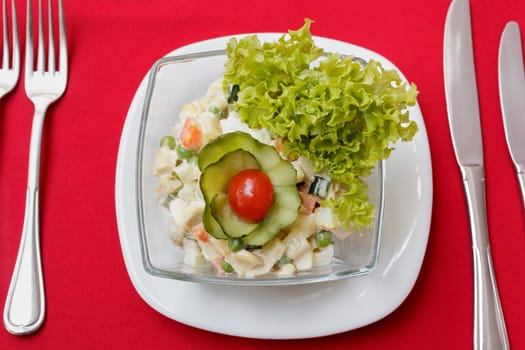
pixel 10 70
pixel 512 96
pixel 463 111
pixel 25 306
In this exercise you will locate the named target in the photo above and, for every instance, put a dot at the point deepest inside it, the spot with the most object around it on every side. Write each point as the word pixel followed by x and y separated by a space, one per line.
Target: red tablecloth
pixel 91 303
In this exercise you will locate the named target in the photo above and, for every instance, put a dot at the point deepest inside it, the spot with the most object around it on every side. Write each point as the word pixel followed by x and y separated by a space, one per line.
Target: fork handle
pixel 25 305
pixel 489 325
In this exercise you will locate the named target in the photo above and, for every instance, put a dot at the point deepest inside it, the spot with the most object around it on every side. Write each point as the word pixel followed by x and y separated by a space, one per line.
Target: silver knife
pixel 512 96
pixel 463 111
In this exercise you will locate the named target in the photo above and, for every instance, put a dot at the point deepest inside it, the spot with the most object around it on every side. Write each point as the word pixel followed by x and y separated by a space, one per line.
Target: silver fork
pixel 25 305
pixel 10 70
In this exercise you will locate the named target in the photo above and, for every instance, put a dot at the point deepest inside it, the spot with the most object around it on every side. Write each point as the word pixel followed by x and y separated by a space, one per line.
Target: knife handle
pixel 489 326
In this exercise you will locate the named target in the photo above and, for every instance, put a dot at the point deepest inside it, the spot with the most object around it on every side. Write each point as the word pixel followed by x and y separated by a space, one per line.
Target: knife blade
pixel 512 96
pixel 465 127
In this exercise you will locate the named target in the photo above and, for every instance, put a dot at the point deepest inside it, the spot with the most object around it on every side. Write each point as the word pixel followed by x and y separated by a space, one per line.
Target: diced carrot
pixel 279 145
pixel 217 262
pixel 200 233
pixel 191 134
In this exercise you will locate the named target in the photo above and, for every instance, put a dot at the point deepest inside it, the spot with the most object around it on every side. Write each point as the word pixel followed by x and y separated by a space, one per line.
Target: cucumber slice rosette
pixel 222 159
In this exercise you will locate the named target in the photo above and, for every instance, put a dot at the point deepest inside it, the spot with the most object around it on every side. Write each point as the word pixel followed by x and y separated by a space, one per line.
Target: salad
pixel 266 171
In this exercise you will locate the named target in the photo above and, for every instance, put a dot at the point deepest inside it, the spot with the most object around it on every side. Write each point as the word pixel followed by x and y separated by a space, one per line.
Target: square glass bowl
pixel 173 82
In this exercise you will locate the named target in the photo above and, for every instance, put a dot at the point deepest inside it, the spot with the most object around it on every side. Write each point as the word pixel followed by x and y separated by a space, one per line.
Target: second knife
pixel 512 96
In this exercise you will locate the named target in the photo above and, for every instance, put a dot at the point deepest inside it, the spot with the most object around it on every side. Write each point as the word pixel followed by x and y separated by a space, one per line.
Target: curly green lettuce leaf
pixel 342 116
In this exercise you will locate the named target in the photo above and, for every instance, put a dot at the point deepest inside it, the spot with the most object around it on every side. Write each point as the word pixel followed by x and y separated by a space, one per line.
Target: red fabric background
pixel 91 301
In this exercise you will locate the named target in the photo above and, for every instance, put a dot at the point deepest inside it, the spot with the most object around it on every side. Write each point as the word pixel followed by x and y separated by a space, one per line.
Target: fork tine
pixel 7 61
pixel 51 41
pixel 10 60
pixel 40 53
pixel 29 42
pixel 16 48
pixel 63 65
pixel 5 42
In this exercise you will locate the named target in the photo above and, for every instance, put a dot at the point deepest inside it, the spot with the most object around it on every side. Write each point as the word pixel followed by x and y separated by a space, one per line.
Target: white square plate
pixel 299 311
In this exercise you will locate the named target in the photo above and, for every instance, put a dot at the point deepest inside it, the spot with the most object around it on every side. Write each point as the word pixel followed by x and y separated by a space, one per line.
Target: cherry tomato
pixel 250 193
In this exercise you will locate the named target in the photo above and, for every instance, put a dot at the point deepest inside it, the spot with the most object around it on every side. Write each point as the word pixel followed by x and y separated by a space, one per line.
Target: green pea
pixel 235 244
pixel 226 267
pixel 284 260
pixel 323 238
pixel 215 110
pixel 184 153
pixel 168 141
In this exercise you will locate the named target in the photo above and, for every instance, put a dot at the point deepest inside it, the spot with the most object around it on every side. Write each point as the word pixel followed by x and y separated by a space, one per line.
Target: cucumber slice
pixel 211 225
pixel 266 155
pixel 320 186
pixel 226 217
pixel 216 179
pixel 282 214
pixel 280 174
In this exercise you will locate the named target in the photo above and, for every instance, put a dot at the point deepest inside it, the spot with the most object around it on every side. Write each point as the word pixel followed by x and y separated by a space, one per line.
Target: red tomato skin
pixel 250 193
